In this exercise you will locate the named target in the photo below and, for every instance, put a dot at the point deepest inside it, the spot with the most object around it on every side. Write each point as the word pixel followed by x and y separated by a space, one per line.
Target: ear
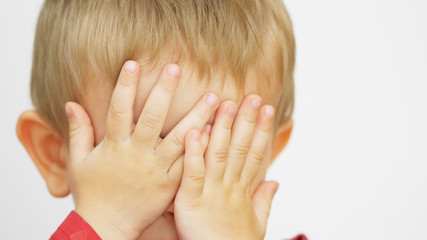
pixel 47 150
pixel 281 138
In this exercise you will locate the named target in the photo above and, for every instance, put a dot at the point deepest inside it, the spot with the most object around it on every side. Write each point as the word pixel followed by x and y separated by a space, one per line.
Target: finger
pixel 241 137
pixel 175 171
pixel 172 145
pixel 259 144
pixel 120 113
pixel 205 136
pixel 176 168
pixel 81 135
pixel 217 152
pixel 157 106
pixel 262 199
pixel 193 177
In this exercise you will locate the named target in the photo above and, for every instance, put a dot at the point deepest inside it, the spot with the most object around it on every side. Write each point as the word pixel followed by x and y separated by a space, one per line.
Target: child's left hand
pixel 215 202
pixel 122 185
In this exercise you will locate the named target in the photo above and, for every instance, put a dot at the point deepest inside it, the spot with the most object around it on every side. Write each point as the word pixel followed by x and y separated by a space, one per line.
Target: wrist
pixel 108 224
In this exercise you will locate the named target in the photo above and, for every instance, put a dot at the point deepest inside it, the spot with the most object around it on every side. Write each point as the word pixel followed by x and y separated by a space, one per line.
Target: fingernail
pixel 232 109
pixel 173 70
pixel 195 136
pixel 130 66
pixel 68 110
pixel 269 111
pixel 208 128
pixel 256 103
pixel 211 100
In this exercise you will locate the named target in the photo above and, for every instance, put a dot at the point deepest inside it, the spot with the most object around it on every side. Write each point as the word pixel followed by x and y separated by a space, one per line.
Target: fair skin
pixel 214 200
pixel 122 185
pixel 31 129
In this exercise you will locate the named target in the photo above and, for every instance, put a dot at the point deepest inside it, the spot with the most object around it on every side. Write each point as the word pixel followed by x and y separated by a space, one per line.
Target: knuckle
pixel 264 126
pixel 112 145
pixel 74 131
pixel 177 141
pixel 198 176
pixel 240 150
pixel 150 171
pixel 164 185
pixel 265 129
pixel 257 157
pixel 220 156
pixel 125 82
pixel 116 112
pixel 200 116
pixel 150 119
pixel 249 118
pixel 237 190
pixel 165 89
pixel 227 125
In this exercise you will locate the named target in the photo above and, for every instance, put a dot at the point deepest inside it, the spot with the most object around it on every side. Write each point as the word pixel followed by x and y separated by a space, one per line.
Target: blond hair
pixel 77 37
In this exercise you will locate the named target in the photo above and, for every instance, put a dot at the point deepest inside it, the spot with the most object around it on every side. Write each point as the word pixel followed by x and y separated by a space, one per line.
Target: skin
pixel 35 134
pixel 214 200
pixel 121 186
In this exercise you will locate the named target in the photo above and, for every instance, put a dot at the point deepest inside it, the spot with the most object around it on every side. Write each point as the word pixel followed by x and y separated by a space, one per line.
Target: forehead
pixel 189 91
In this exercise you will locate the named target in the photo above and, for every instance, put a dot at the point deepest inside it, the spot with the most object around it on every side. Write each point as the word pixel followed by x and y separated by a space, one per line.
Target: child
pixel 124 162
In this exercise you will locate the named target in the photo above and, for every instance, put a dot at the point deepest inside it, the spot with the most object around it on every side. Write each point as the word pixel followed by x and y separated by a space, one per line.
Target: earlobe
pixel 281 139
pixel 46 149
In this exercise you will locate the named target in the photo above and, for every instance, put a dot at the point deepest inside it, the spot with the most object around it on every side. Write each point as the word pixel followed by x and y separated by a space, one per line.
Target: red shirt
pixel 75 227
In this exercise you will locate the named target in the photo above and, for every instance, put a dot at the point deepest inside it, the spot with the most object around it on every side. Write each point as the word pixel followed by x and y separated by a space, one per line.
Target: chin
pixel 162 229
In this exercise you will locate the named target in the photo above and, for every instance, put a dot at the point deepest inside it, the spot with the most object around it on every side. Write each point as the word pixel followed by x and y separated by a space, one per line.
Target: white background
pixel 356 166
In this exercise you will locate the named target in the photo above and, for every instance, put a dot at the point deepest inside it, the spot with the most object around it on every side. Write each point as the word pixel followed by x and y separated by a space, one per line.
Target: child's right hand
pixel 215 200
pixel 126 182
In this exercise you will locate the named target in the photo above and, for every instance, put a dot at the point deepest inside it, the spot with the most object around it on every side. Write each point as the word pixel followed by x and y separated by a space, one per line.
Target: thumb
pixel 81 139
pixel 262 199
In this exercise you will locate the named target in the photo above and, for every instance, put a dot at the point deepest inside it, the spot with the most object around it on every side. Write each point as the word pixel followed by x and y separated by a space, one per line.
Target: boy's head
pixel 229 47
